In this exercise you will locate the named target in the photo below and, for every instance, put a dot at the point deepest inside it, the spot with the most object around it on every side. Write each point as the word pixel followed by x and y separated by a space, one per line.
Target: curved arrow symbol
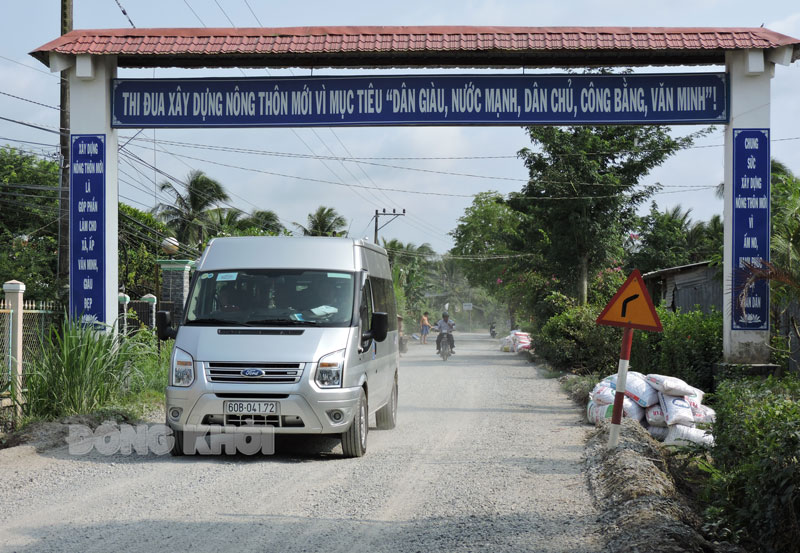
pixel 625 303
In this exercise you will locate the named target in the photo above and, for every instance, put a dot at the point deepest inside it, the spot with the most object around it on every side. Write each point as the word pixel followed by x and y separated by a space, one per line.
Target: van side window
pixel 366 307
pixel 384 300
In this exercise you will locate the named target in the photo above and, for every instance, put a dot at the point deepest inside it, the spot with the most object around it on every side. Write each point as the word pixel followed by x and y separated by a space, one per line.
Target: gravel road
pixel 486 457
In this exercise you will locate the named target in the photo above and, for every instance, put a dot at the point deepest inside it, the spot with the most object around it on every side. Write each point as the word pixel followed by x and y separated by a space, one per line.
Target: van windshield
pixel 271 297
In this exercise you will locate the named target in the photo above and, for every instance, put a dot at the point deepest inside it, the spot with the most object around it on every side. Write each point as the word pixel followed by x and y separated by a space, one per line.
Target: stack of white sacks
pixel 668 407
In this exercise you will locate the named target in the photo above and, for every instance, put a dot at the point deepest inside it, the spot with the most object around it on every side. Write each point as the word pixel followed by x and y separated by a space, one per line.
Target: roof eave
pixel 425 59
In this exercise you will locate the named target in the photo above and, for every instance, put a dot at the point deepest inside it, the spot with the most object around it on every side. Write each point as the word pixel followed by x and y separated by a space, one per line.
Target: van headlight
pixel 329 370
pixel 182 373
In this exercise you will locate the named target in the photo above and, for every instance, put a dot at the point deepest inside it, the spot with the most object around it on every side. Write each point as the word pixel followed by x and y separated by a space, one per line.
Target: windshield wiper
pixel 214 321
pixel 281 322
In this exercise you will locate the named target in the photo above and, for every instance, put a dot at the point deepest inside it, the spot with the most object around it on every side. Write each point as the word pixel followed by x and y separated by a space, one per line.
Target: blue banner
pixel 690 98
pixel 87 184
pixel 751 226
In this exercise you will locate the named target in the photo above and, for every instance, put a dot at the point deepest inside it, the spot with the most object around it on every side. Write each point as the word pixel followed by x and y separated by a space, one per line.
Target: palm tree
pixel 263 219
pixel 325 221
pixel 187 217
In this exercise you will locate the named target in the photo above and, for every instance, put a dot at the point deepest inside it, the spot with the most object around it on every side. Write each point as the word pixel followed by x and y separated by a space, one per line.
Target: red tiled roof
pixel 414 46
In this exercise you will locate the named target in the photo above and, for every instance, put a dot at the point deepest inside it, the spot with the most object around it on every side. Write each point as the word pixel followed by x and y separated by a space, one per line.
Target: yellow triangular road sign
pixel 631 307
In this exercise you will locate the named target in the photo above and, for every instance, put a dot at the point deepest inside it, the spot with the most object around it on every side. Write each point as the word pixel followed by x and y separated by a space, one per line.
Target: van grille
pixel 259 373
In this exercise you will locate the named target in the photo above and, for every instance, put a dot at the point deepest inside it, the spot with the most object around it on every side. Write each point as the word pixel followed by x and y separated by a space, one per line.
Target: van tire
pixel 386 417
pixel 354 441
pixel 177 446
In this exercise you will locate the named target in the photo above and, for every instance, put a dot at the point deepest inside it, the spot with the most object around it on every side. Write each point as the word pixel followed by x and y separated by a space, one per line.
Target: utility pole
pixel 394 215
pixel 63 202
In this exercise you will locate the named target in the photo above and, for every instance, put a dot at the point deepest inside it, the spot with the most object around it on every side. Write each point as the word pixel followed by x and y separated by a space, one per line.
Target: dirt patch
pixel 43 435
pixel 643 510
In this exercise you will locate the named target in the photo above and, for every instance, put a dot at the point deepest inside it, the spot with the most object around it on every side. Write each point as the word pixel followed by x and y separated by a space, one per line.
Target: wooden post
pixel 14 291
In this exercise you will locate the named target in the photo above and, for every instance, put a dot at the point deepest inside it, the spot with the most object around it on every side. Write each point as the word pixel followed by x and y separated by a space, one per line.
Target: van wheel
pixel 354 441
pixel 386 417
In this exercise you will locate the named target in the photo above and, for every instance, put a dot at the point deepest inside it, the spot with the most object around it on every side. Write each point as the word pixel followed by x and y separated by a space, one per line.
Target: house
pixel 687 286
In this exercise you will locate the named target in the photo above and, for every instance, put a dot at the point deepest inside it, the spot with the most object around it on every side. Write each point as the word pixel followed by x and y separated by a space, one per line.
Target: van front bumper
pixel 196 407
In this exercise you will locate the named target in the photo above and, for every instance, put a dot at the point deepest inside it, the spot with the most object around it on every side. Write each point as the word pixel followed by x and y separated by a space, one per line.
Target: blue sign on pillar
pixel 751 226
pixel 87 280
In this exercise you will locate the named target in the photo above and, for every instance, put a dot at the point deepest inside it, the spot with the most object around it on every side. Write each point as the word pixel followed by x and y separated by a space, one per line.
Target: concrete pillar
pixel 175 280
pixel 90 114
pixel 151 313
pixel 750 73
pixel 124 300
pixel 14 291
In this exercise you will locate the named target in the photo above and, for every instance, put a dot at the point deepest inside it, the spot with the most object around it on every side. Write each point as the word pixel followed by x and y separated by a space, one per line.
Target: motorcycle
pixel 492 331
pixel 444 349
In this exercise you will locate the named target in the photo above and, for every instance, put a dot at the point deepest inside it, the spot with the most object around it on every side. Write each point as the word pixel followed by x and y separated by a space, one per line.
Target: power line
pixel 254 13
pixel 28 100
pixel 119 4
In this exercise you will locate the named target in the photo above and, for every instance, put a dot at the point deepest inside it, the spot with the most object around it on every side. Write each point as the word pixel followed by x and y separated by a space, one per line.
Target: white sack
pixel 684 435
pixel 599 411
pixel 632 410
pixel 696 399
pixel 655 416
pixel 603 393
pixel 676 410
pixel 704 414
pixel 670 385
pixel 658 432
pixel 638 390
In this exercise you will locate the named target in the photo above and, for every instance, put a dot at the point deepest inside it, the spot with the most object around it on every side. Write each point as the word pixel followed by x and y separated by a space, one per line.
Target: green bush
pixel 571 340
pixel 79 370
pixel 754 490
pixel 688 348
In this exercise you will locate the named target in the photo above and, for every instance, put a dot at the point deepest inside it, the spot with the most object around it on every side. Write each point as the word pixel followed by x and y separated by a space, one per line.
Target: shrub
pixel 571 340
pixel 754 491
pixel 79 370
pixel 688 348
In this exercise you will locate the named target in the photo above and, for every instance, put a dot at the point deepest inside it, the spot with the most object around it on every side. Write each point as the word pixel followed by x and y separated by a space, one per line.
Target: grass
pixel 83 371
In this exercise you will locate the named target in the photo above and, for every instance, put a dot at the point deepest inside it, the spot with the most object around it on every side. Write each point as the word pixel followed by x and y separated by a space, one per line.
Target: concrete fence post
pixel 124 300
pixel 151 312
pixel 14 291
pixel 175 279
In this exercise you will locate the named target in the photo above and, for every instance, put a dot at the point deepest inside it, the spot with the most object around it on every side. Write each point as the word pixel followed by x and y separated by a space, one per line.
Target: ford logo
pixel 253 373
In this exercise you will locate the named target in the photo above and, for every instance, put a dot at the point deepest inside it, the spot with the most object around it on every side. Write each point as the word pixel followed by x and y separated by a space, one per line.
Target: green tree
pixel 265 220
pixel 140 237
pixel 29 222
pixel 325 221
pixel 412 270
pixel 584 190
pixel 663 240
pixel 188 216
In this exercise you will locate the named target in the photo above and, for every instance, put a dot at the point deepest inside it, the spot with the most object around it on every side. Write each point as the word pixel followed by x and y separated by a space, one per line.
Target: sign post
pixel 631 307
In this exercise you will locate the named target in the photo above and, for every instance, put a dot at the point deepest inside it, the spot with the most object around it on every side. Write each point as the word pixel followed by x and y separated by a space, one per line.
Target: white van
pixel 297 334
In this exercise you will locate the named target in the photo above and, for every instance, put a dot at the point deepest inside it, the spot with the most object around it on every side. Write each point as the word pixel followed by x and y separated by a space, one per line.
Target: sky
pixel 446 160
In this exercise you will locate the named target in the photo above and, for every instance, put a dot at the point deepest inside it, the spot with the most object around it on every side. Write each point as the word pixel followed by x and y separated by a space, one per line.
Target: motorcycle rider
pixel 445 326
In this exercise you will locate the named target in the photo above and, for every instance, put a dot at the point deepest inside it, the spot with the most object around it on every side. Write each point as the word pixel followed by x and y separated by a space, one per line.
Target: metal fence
pixel 37 318
pixel 5 341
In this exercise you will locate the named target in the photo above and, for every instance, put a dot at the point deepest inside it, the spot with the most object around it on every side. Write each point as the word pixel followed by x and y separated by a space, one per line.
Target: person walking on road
pixel 425 325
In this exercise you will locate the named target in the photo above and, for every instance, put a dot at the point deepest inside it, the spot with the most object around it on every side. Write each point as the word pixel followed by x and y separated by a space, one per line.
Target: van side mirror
pixel 379 326
pixel 164 328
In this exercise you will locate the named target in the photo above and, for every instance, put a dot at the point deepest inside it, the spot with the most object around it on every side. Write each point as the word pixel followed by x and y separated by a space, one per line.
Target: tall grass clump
pixel 151 361
pixel 79 370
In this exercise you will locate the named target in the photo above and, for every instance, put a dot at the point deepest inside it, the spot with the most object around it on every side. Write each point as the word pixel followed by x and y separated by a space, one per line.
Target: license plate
pixel 251 407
